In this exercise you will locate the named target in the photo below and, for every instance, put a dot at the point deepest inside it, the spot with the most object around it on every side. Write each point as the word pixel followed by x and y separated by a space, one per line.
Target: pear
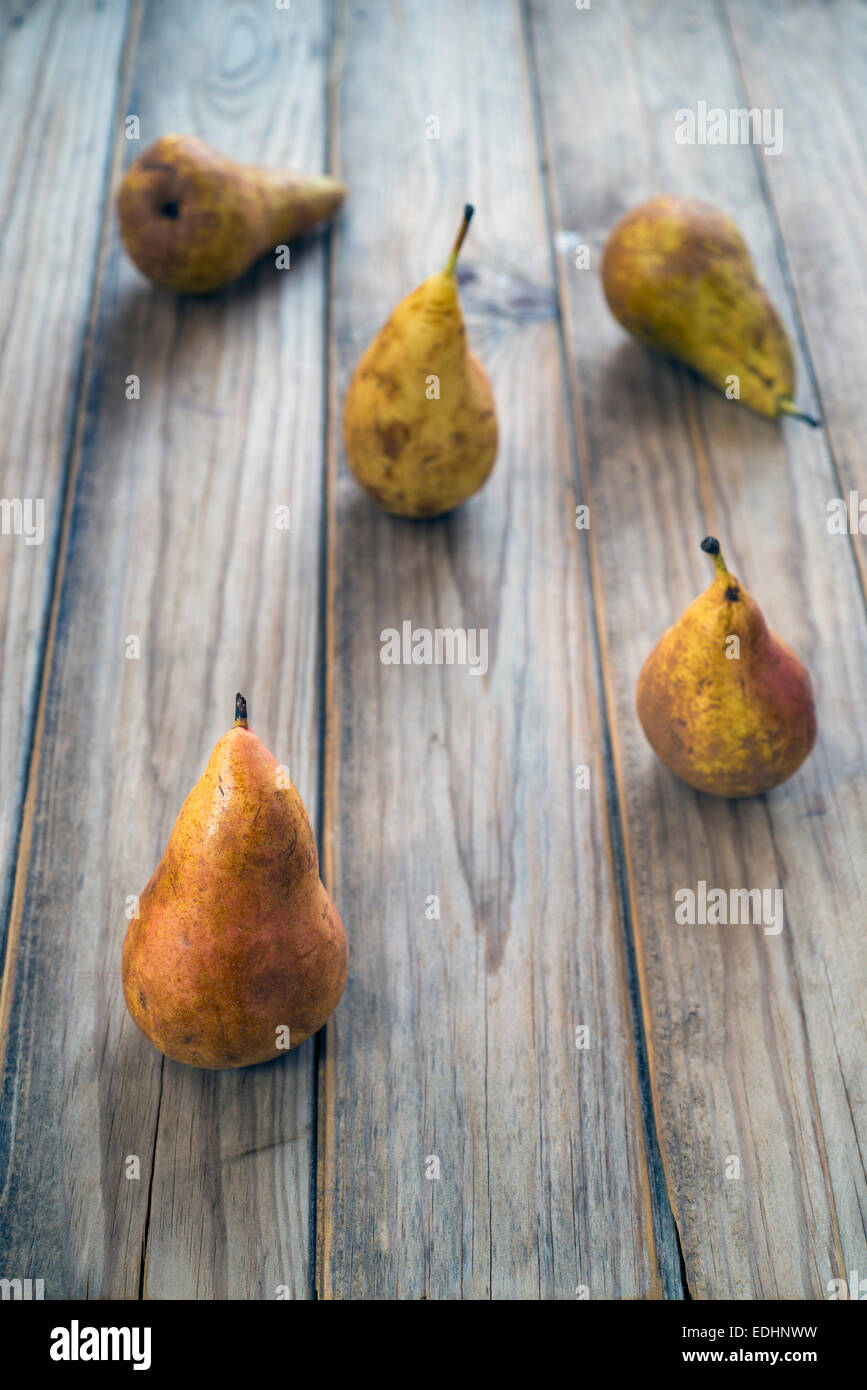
pixel 732 718
pixel 193 220
pixel 237 952
pixel 677 273
pixel 419 423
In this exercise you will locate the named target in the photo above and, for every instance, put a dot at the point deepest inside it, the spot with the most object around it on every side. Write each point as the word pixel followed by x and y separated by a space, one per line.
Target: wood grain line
pixel 667 1239
pixel 329 772
pixel 33 729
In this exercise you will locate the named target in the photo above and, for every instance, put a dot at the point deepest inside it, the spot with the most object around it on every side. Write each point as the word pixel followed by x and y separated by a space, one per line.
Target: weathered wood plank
pixel 174 540
pixel 456 1038
pixel 810 61
pixel 823 152
pixel 753 1038
pixel 58 88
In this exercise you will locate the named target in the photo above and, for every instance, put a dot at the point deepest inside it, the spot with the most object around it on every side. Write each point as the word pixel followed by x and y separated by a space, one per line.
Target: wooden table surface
pixel 709 1141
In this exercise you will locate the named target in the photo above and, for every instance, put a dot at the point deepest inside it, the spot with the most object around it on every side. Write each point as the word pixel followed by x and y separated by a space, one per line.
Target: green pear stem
pixel 710 545
pixel 241 712
pixel 459 239
pixel 787 407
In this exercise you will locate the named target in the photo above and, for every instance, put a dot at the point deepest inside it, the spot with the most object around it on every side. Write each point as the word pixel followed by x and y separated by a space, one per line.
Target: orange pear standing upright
pixel 238 951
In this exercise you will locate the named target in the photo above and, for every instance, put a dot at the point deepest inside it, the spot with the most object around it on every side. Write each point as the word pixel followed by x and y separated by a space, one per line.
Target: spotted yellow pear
pixel 678 275
pixel 419 422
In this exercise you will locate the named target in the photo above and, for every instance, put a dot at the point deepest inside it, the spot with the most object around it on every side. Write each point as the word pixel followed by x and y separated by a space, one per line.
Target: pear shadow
pixel 135 1053
pixel 459 550
pixel 263 279
pixel 137 316
pixel 294 1063
pixel 455 535
pixel 720 818
pixel 657 387
pixel 360 509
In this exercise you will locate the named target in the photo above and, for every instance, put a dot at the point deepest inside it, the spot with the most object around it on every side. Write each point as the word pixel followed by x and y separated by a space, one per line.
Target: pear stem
pixel 459 239
pixel 241 712
pixel 710 545
pixel 787 407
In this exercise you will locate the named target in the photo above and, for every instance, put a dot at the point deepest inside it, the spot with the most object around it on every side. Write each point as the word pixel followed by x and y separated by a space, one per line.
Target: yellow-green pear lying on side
pixel 724 702
pixel 677 273
pixel 237 952
pixel 419 422
pixel 193 220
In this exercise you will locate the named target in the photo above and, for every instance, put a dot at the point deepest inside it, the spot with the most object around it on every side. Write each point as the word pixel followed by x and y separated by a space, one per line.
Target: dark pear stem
pixel 710 546
pixel 787 407
pixel 459 239
pixel 241 712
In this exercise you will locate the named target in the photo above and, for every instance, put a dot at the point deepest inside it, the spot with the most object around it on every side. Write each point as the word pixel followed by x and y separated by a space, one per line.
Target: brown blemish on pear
pixel 729 726
pixel 417 456
pixel 236 935
pixel 678 275
pixel 193 220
